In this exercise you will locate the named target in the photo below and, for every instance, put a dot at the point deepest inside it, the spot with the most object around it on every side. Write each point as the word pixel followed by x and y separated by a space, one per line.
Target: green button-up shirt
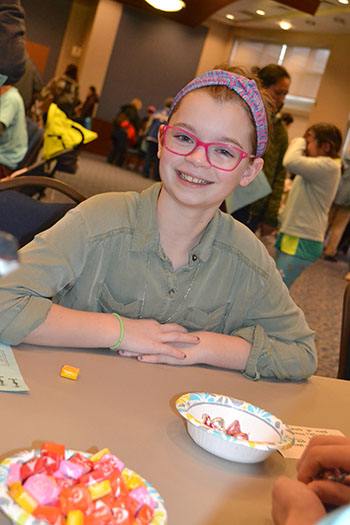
pixel 105 256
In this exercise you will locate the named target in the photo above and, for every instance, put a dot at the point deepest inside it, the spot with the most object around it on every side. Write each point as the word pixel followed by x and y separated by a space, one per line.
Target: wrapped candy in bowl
pixel 233 429
pixel 63 487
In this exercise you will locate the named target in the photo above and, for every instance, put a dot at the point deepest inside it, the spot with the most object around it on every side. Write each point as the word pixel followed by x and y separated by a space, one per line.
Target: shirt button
pixel 194 257
pixel 171 292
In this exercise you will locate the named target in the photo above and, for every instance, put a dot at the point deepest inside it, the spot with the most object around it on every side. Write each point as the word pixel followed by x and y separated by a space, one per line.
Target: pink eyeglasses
pixel 221 156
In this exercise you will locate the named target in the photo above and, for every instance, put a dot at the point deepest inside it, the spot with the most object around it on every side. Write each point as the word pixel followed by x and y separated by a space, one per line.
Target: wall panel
pixel 46 23
pixel 152 59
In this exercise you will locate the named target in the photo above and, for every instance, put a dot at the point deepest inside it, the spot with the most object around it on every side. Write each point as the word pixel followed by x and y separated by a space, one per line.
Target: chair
pixel 35 142
pixel 23 216
pixel 344 356
pixel 45 168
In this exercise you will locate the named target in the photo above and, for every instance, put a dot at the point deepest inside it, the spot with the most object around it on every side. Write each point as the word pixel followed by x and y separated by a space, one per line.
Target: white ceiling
pixel 331 16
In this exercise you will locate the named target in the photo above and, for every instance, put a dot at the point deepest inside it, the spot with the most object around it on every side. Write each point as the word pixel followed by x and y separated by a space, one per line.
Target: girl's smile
pixel 190 179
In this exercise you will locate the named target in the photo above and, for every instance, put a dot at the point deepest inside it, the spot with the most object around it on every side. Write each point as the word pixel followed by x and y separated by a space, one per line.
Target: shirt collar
pixel 146 234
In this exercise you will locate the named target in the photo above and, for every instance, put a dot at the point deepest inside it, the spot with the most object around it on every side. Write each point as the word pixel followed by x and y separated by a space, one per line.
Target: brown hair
pixel 329 134
pixel 225 94
pixel 271 74
pixel 72 71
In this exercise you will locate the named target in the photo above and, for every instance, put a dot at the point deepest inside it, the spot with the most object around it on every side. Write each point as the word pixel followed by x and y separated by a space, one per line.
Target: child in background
pixel 164 276
pixel 315 160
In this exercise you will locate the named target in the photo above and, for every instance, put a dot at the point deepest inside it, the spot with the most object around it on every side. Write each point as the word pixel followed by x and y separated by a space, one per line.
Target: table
pixel 129 407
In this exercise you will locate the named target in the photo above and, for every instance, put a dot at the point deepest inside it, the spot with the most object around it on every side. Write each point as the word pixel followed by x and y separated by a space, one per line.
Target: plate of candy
pixel 59 486
pixel 233 429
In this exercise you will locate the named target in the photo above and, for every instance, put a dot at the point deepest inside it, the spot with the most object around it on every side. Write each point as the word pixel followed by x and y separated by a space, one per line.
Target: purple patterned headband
pixel 245 88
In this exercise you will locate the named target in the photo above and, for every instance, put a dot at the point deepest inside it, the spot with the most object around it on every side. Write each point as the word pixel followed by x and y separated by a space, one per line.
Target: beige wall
pixel 217 47
pixel 99 46
pixel 333 100
pixel 79 23
pixel 92 25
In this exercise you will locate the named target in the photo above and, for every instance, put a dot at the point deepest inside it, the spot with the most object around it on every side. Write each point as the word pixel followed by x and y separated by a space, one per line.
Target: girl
pixel 315 160
pixel 164 276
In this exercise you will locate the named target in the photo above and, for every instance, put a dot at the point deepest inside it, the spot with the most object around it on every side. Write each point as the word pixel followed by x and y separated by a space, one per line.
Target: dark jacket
pixel 130 113
pixel 13 54
pixel 63 91
pixel 267 208
pixel 88 106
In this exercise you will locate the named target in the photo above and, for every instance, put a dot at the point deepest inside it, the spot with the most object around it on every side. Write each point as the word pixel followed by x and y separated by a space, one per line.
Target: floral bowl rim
pixel 186 401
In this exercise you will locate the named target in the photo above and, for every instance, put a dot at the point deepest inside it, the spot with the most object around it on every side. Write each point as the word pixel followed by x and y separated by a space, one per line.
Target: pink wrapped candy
pixel 43 489
pixel 70 469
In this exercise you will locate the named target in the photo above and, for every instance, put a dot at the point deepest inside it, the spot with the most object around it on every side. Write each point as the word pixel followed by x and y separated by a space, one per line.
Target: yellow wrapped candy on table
pixel 70 372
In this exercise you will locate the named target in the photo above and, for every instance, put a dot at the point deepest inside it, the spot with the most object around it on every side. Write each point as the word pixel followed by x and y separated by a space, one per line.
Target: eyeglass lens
pixel 222 156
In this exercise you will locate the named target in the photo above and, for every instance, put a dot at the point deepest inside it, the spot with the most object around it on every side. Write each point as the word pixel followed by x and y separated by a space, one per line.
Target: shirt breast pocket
pixel 197 319
pixel 109 304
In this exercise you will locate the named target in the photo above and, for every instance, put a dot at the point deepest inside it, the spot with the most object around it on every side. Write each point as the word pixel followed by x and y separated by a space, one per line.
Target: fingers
pixel 330 492
pixel 147 336
pixel 319 458
pixel 164 359
pixel 156 358
pixel 180 337
pixel 171 327
pixel 294 502
pixel 318 441
pixel 155 349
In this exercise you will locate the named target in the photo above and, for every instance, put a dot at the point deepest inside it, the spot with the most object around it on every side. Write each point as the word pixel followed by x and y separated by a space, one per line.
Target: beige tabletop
pixel 129 407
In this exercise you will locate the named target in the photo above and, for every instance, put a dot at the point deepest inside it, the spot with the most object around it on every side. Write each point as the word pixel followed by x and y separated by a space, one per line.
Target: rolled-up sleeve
pixel 283 346
pixel 270 357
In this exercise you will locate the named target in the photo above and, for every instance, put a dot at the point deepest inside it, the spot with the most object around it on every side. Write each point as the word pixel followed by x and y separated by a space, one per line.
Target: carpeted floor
pixel 318 291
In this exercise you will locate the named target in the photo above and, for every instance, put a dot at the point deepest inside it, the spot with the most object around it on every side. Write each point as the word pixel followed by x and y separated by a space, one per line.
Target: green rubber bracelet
pixel 114 347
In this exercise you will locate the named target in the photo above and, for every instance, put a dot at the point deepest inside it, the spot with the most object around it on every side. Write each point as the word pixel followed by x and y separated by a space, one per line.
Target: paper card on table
pixel 302 437
pixel 11 379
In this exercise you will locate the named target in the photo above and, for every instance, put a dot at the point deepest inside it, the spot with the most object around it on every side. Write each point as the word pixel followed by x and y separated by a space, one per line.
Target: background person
pixel 29 87
pixel 158 118
pixel 13 130
pixel 315 160
pixel 339 215
pixel 63 91
pixel 126 126
pixel 263 214
pixel 13 54
pixel 85 111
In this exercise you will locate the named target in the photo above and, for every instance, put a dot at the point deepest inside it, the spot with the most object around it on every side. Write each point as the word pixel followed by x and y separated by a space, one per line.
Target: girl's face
pixel 313 147
pixel 191 180
pixel 279 91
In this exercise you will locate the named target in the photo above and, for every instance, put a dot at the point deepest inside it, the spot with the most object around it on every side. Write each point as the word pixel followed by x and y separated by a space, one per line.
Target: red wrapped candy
pixel 76 497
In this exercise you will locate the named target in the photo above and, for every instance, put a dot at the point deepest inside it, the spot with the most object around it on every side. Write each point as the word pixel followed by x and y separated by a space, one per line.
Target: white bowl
pixel 266 433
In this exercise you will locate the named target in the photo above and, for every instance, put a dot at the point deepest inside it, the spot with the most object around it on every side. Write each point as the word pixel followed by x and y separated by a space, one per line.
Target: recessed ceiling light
pixel 230 17
pixel 285 25
pixel 343 2
pixel 167 5
pixel 260 12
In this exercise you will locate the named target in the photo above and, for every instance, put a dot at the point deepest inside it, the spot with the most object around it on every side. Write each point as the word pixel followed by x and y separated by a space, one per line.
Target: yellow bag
pixel 62 133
